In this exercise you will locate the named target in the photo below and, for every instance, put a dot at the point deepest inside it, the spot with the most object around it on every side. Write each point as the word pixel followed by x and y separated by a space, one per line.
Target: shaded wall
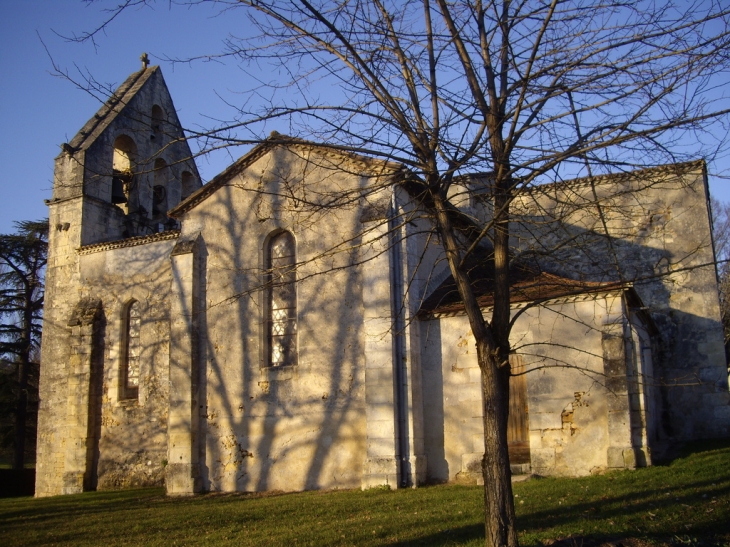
pixel 578 410
pixel 288 427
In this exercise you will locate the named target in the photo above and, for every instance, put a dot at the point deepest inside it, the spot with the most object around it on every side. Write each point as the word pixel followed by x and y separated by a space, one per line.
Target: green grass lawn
pixel 684 503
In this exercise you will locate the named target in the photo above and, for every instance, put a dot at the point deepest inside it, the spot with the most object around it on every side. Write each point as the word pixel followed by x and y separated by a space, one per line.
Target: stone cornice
pixel 676 169
pixel 582 297
pixel 128 242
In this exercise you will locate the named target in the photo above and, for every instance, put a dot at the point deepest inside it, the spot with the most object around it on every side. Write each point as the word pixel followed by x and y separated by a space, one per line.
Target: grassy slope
pixel 684 503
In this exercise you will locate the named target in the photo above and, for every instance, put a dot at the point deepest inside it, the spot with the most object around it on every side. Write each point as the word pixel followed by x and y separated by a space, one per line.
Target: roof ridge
pixel 273 140
pixel 679 168
pixel 107 112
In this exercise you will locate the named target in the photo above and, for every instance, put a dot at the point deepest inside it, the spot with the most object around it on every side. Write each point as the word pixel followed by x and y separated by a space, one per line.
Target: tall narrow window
pixel 188 184
pixel 282 301
pixel 122 170
pixel 131 357
pixel 158 117
pixel 161 177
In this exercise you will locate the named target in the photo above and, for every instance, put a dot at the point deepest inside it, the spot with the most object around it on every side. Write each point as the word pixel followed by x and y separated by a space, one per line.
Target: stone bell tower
pixel 113 182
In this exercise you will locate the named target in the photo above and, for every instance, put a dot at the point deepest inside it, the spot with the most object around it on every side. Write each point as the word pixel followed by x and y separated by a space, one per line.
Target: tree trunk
pixel 492 342
pixel 499 514
pixel 499 509
pixel 21 411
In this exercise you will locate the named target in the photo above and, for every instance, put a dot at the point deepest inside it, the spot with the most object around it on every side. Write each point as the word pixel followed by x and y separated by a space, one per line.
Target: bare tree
pixel 525 91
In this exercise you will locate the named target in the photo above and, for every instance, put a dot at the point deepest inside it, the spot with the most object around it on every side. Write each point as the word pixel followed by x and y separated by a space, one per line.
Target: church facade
pixel 292 324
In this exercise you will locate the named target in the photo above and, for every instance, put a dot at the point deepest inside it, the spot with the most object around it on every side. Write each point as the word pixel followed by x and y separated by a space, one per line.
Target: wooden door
pixel 518 429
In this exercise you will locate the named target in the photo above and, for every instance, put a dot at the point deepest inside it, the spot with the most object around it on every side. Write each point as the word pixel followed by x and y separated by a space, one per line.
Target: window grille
pixel 131 361
pixel 282 301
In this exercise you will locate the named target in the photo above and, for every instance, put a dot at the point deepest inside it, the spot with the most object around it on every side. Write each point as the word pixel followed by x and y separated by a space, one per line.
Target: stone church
pixel 292 324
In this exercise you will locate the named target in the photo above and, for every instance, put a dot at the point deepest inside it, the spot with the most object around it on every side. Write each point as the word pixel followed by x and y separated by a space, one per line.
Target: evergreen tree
pixel 23 258
pixel 721 234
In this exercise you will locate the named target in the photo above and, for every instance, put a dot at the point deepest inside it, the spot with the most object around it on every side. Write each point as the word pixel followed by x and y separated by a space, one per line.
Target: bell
pixel 118 195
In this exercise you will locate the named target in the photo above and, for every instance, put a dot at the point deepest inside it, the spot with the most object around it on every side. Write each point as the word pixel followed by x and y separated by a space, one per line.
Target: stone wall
pixel 652 228
pixel 142 112
pixel 133 434
pixel 289 427
pixel 94 437
pixel 577 407
pixel 660 239
pixel 63 292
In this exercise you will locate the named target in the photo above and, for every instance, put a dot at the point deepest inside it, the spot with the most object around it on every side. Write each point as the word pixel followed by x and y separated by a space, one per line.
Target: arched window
pixel 188 184
pixel 281 300
pixel 122 169
pixel 160 188
pixel 158 118
pixel 131 352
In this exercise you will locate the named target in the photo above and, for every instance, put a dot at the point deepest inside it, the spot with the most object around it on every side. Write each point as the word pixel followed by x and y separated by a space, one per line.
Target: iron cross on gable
pixel 145 61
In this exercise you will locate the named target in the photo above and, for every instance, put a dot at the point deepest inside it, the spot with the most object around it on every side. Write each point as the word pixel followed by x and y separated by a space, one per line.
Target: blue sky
pixel 39 111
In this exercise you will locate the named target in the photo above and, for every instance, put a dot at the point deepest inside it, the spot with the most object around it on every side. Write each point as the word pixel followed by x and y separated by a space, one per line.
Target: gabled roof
pixel 526 285
pixel 362 164
pixel 111 109
pixel 466 225
pixel 670 169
